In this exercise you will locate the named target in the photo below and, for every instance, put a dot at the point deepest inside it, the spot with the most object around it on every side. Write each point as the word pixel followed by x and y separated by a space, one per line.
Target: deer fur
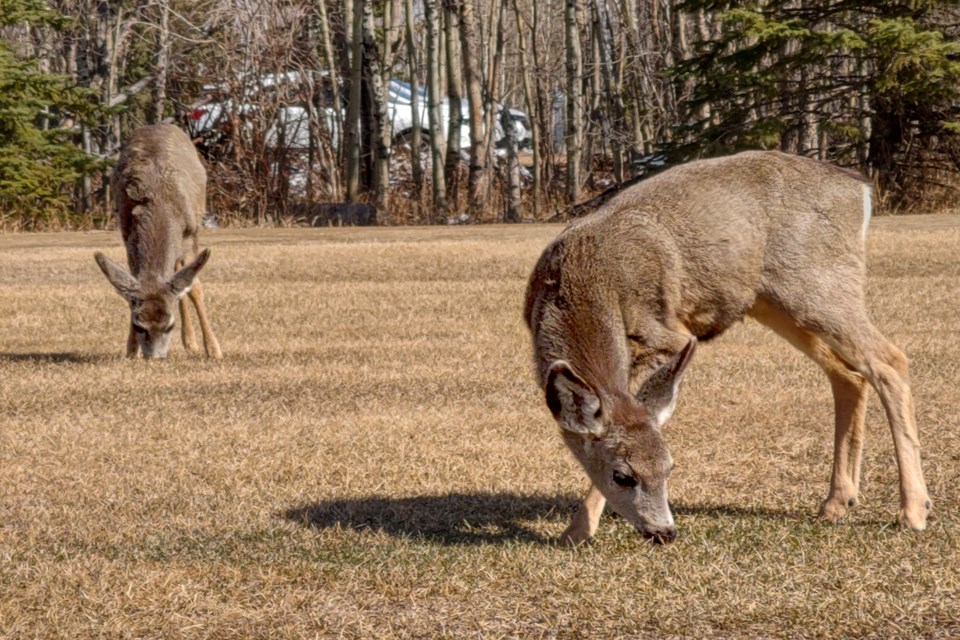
pixel 160 189
pixel 617 303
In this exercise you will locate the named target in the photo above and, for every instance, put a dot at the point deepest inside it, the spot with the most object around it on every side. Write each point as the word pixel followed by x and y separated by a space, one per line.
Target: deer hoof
pixel 914 518
pixel 575 535
pixel 834 509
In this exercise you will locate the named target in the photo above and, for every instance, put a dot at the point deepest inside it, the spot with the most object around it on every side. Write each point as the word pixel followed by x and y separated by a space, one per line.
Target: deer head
pixel 152 303
pixel 619 442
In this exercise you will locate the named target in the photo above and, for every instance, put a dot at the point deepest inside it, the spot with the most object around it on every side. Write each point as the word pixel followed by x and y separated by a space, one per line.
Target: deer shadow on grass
pixel 483 518
pixel 450 519
pixel 55 358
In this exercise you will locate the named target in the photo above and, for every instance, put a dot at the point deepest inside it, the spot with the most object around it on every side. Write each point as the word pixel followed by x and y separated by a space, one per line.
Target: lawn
pixel 373 459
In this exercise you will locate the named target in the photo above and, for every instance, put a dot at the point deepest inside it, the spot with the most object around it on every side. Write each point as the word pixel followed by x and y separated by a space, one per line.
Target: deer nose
pixel 660 535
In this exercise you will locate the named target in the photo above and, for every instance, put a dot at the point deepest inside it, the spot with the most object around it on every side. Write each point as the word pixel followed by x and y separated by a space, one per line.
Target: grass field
pixel 373 459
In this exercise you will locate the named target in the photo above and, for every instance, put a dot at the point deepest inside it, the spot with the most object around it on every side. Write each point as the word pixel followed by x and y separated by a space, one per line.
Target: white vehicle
pixel 400 112
pixel 290 127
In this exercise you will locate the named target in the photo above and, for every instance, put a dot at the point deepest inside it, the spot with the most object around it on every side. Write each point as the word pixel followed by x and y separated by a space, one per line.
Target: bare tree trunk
pixel 469 42
pixel 113 51
pixel 351 126
pixel 415 140
pixel 613 112
pixel 531 110
pixel 163 62
pixel 545 98
pixel 574 124
pixel 336 135
pixel 633 50
pixel 703 32
pixel 388 27
pixel 434 97
pixel 454 82
pixel 494 63
pixel 594 117
pixel 512 213
pixel 379 131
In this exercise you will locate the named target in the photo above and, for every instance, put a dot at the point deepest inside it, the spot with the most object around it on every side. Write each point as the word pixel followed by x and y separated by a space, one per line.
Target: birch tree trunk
pixel 379 131
pixel 415 138
pixel 389 25
pixel 163 62
pixel 512 212
pixel 454 82
pixel 351 130
pixel 434 98
pixel 531 105
pixel 574 100
pixel 468 45
pixel 336 135
pixel 613 110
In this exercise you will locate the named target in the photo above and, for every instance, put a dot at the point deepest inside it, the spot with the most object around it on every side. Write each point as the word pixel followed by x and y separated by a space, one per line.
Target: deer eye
pixel 624 480
pixel 138 329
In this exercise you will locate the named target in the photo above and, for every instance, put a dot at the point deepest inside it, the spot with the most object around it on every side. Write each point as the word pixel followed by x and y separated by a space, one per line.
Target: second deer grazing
pixel 160 187
pixel 617 303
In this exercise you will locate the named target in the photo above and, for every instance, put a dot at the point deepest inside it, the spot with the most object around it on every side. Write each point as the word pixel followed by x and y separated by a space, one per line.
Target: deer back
pixel 160 187
pixel 687 252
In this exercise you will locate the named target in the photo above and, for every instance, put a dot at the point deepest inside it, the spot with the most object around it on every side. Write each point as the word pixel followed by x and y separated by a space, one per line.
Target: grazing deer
pixel 617 303
pixel 160 188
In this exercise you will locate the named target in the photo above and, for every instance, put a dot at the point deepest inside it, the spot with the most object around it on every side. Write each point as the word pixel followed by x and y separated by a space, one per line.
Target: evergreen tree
pixel 39 161
pixel 873 85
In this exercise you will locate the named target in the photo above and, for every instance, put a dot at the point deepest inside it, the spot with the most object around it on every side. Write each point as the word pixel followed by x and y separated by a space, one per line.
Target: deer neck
pixel 594 343
pixel 152 246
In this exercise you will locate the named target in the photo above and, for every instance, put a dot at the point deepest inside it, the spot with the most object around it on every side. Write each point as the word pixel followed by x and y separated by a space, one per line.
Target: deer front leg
pixel 586 519
pixel 187 334
pixel 132 347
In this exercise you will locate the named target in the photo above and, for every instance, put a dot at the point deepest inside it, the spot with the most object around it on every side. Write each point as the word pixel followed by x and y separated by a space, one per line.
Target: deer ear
pixel 125 284
pixel 182 280
pixel 659 392
pixel 573 402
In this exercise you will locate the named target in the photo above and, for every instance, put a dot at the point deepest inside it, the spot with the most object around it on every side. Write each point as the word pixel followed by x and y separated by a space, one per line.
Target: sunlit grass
pixel 373 459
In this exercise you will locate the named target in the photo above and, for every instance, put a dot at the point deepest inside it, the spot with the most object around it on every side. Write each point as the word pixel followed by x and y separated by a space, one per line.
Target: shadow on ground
pixel 454 519
pixel 481 518
pixel 56 358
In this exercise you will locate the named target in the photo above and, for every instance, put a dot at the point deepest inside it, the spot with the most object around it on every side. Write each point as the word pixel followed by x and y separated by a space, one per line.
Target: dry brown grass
pixel 372 458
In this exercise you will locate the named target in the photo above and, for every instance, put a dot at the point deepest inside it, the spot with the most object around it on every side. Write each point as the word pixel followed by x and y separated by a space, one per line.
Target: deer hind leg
pixel 843 325
pixel 849 403
pixel 210 342
pixel 187 334
pixel 586 519
pixel 886 367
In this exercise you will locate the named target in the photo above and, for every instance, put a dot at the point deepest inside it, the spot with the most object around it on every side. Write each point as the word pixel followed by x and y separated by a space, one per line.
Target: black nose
pixel 660 535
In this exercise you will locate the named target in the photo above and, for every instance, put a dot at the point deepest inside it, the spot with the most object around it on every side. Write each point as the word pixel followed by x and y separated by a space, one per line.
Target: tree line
pixel 435 111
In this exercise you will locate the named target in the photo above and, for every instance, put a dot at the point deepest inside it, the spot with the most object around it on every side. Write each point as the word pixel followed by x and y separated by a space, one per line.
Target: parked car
pixel 290 127
pixel 400 112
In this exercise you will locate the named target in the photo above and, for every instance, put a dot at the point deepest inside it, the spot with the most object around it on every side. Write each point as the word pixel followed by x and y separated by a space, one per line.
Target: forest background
pixel 612 90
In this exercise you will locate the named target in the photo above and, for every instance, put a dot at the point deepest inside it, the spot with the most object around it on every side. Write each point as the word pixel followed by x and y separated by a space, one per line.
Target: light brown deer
pixel 617 302
pixel 160 187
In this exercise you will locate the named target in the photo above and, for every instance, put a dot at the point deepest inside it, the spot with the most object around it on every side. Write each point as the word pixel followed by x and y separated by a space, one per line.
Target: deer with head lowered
pixel 160 187
pixel 617 303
